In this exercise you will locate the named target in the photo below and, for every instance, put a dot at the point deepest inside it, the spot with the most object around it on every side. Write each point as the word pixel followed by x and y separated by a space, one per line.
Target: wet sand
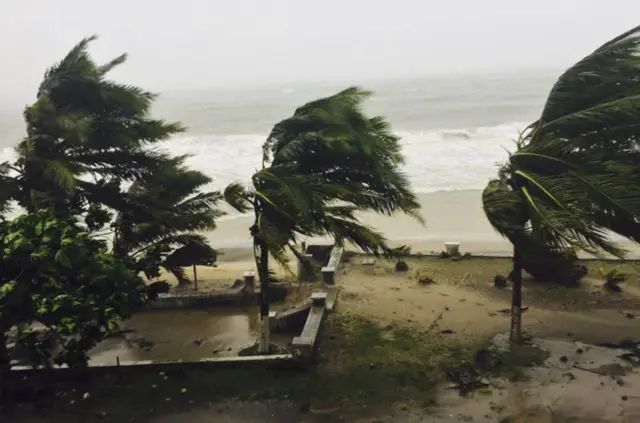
pixel 449 216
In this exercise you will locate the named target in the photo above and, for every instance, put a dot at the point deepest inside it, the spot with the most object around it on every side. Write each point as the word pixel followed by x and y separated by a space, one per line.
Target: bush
pixel 500 281
pixel 562 268
pixel 402 266
pixel 613 278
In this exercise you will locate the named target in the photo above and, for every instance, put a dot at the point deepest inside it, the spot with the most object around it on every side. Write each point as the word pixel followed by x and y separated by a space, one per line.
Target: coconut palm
pixel 86 137
pixel 321 166
pixel 84 129
pixel 574 176
pixel 168 236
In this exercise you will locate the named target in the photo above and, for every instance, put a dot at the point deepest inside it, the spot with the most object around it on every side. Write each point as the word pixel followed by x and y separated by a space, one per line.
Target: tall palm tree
pixel 574 175
pixel 321 166
pixel 86 136
pixel 84 129
pixel 168 237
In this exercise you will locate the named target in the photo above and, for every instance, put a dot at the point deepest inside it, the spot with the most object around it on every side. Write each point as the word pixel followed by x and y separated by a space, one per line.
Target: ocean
pixel 454 129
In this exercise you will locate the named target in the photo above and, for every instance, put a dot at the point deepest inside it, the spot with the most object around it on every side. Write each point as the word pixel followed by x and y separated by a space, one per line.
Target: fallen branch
pixel 435 321
pixel 464 279
pixel 590 370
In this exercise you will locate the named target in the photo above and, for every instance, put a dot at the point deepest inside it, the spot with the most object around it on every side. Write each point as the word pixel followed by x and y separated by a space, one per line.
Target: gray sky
pixel 192 44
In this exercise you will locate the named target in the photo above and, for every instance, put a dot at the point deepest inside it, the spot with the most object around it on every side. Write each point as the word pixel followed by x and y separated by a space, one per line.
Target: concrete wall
pixel 305 347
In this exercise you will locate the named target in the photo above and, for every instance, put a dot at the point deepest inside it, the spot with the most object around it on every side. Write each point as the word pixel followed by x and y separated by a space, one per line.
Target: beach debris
pixel 500 281
pixel 584 369
pixel 629 315
pixel 402 266
pixel 613 278
pixel 198 341
pixel 444 255
pixel 464 279
pixel 368 261
pixel 423 277
pixel 508 310
pixel 425 280
pixel 435 321
pixel 632 358
pixel 446 331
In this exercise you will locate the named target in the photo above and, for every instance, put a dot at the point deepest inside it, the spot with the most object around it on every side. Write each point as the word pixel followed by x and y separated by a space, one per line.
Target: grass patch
pixel 360 363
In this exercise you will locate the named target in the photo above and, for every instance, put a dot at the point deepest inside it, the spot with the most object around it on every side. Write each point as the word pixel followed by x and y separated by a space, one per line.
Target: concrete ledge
pixel 130 369
pixel 193 299
pixel 329 271
pixel 213 360
pixel 305 346
pixel 290 320
pixel 332 297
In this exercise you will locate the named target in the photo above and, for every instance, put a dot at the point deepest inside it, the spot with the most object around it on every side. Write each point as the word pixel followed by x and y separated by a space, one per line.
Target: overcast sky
pixel 192 44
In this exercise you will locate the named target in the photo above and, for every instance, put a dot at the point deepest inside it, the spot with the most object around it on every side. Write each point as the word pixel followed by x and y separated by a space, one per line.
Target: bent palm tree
pixel 168 236
pixel 320 166
pixel 575 175
pixel 84 129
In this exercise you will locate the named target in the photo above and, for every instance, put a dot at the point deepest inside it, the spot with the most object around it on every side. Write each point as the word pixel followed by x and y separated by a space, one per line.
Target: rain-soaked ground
pixel 182 335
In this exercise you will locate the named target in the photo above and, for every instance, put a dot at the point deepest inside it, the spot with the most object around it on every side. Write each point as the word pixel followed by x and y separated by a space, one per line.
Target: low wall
pixel 241 294
pixel 305 346
pixel 22 374
pixel 329 271
pixel 289 320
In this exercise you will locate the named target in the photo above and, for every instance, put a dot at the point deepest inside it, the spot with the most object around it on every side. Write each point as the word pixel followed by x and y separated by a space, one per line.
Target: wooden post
pixel 195 278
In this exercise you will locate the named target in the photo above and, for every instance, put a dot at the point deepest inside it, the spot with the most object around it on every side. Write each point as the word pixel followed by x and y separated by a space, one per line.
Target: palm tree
pixel 168 237
pixel 574 175
pixel 319 167
pixel 86 136
pixel 83 131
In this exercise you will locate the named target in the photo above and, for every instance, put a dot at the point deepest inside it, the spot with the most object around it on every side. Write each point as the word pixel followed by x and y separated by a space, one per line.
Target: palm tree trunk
pixel 263 274
pixel 515 334
pixel 195 278
pixel 5 367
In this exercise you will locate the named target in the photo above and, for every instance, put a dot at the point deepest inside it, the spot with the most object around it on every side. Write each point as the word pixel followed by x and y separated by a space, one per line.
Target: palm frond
pixel 574 177
pixel 238 197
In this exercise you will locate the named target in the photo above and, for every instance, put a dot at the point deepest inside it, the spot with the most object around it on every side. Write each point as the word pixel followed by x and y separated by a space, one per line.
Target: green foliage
pixel 83 124
pixel 613 278
pixel 166 238
pixel 56 275
pixel 86 136
pixel 320 167
pixel 574 175
pixel 561 267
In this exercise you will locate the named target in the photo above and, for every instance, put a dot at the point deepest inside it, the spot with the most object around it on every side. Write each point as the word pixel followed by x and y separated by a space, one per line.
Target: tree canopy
pixel 574 175
pixel 319 168
pixel 54 273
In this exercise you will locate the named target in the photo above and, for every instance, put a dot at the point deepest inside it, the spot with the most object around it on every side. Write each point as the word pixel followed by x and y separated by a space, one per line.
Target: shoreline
pixel 450 216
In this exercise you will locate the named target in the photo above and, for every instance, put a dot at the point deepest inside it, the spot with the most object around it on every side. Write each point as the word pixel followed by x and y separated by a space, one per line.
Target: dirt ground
pixel 578 382
pixel 463 299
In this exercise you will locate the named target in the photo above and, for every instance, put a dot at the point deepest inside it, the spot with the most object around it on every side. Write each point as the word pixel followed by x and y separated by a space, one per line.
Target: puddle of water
pixel 181 335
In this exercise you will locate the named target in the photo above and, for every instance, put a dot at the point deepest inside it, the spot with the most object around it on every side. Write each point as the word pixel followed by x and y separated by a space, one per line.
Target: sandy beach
pixel 449 216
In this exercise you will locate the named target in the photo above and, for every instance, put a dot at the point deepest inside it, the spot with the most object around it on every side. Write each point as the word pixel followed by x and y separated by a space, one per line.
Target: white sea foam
pixel 442 160
pixel 438 160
